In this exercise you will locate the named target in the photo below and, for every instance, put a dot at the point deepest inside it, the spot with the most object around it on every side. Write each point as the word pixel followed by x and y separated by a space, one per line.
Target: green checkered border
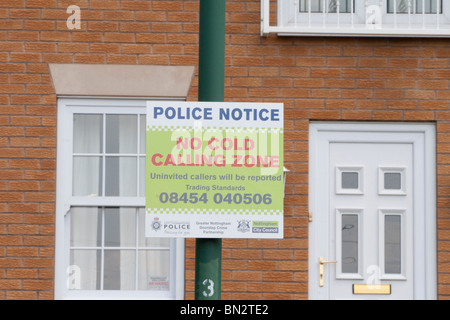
pixel 214 211
pixel 214 129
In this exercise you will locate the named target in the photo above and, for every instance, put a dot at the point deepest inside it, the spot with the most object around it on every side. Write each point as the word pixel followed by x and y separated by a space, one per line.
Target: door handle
pixel 322 262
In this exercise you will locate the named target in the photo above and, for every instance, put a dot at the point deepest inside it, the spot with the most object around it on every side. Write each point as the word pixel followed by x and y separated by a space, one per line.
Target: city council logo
pixel 243 225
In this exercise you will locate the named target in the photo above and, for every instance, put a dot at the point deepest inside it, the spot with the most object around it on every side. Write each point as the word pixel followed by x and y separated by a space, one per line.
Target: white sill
pixel 357 30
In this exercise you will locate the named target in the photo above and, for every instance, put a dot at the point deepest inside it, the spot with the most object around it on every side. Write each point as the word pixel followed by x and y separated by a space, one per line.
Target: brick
pixel 40 153
pixel 12 3
pixel 11 152
pixel 134 27
pixel 21 207
pixel 39 25
pixel 87 37
pixel 355 79
pixel 24 186
pixel 23 252
pixel 12 67
pixel 25 78
pixel 40 88
pixel 40 47
pixel 73 47
pixel 324 114
pixel 11 24
pixel 24 13
pixel 23 35
pixel 103 26
pixel 166 49
pixel 166 27
pixel 419 115
pixel 37 285
pixel 167 6
pixel 136 48
pixel 122 59
pixel 433 84
pixel 90 58
pixel 104 4
pixel 119 15
pixel 182 16
pixel 42 3
pixel 10 284
pixel 55 36
pixel 119 37
pixel 135 5
pixel 388 115
pixel 40 131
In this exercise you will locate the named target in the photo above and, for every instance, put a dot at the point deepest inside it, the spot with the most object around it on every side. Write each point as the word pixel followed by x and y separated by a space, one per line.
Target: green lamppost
pixel 211 75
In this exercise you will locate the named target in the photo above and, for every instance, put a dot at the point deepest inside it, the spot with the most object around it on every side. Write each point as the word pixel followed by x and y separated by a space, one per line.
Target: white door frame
pixel 421 135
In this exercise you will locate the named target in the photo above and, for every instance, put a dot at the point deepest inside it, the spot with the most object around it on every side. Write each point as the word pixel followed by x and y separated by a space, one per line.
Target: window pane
pixel 121 176
pixel 414 6
pixel 88 264
pixel 87 176
pixel 154 270
pixel 87 133
pixel 349 243
pixel 85 227
pixel 316 5
pixel 402 6
pixel 392 181
pixel 430 6
pixel 120 227
pixel 119 272
pixel 392 243
pixel 121 134
pixel 349 180
pixel 345 6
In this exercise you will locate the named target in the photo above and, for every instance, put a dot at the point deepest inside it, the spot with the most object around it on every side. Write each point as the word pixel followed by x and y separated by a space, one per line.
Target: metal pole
pixel 211 50
pixel 208 260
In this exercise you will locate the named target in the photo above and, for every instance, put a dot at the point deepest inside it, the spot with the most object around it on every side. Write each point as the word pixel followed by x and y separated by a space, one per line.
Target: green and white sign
pixel 214 170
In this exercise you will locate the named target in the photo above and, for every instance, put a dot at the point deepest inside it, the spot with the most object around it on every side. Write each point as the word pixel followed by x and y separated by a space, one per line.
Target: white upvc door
pixel 372 201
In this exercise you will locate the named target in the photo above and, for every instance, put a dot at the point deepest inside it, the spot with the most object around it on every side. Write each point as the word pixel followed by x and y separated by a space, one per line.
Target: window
pixel 415 7
pixel 393 6
pixel 425 18
pixel 391 181
pixel 101 248
pixel 349 180
pixel 345 6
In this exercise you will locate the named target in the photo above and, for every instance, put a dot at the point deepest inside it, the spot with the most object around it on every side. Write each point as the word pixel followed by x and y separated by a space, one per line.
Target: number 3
pixel 210 288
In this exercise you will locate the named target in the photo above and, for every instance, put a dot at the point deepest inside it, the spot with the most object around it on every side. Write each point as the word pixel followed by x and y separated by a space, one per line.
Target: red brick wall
pixel 377 79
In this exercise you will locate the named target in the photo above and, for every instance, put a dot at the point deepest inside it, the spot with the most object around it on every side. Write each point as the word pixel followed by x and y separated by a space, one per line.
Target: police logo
pixel 156 224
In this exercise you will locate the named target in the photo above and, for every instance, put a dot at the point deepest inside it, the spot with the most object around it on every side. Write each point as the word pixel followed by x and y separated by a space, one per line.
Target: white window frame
pixel 370 18
pixel 67 107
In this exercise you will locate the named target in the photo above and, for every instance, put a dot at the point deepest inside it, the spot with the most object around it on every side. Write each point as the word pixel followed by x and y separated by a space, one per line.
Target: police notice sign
pixel 214 170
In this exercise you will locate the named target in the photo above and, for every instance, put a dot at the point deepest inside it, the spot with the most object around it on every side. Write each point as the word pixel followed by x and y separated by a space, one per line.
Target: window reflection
pixel 349 243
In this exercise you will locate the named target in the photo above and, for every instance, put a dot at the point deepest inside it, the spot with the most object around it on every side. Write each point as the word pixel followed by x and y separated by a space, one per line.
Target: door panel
pixel 369 224
pixel 372 198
